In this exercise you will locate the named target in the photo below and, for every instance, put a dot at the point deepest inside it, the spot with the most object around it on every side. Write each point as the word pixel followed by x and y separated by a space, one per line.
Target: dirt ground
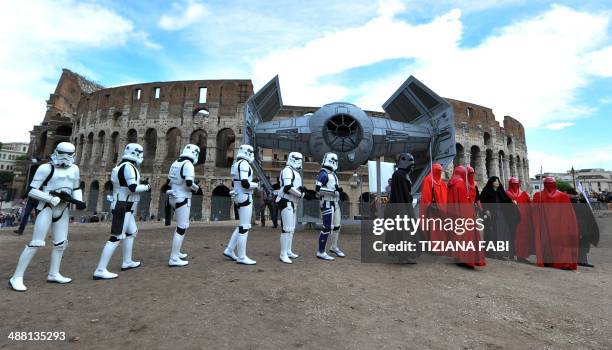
pixel 216 304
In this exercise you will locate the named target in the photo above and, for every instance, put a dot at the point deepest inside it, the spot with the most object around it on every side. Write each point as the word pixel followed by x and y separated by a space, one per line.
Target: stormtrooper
pixel 243 186
pixel 291 190
pixel 182 185
pixel 127 187
pixel 55 185
pixel 327 186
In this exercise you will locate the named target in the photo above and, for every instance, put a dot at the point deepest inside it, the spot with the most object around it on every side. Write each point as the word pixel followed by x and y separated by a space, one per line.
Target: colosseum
pixel 164 116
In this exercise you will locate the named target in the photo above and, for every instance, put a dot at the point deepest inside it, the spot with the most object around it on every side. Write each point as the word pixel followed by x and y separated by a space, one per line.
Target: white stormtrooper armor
pixel 55 185
pixel 329 191
pixel 291 190
pixel 182 182
pixel 127 187
pixel 243 187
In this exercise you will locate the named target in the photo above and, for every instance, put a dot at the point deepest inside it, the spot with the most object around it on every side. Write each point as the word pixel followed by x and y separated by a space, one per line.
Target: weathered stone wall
pixel 492 150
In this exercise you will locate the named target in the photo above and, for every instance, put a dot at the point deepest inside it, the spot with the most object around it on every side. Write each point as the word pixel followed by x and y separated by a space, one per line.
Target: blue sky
pixel 548 64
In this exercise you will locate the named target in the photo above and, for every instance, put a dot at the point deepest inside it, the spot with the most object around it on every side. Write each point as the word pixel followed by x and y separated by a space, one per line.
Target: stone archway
pixel 114 148
pixel 150 149
pixel 225 148
pixel 476 162
pixel 197 200
pixel 198 138
pixel 132 136
pixel 220 204
pixel 503 165
pixel 101 145
pixel 173 144
pixel 92 202
pixel 459 155
pixel 490 163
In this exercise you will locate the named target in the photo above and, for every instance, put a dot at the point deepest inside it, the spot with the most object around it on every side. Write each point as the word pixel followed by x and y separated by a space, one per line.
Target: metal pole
pixel 378 188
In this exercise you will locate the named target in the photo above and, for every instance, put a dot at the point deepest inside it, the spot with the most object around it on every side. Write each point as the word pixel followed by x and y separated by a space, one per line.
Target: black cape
pixel 504 216
pixel 400 204
pixel 587 225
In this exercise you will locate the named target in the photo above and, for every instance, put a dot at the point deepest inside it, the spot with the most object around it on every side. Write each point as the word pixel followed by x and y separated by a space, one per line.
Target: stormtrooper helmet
pixel 246 152
pixel 63 155
pixel 133 152
pixel 295 160
pixel 330 160
pixel 192 152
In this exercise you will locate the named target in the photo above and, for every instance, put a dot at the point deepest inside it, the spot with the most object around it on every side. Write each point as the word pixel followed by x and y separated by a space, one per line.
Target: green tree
pixel 563 186
pixel 6 177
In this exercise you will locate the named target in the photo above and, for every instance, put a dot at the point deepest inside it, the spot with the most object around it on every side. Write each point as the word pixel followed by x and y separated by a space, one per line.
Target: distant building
pixel 10 153
pixel 593 180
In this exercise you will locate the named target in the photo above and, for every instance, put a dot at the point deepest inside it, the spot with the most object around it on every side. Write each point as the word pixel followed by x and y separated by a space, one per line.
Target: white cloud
pixel 183 15
pixel 600 62
pixel 531 69
pixel 44 36
pixel 600 157
pixel 559 126
pixel 605 100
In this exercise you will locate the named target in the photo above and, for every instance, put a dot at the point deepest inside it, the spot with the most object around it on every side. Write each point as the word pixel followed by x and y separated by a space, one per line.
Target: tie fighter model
pixel 419 122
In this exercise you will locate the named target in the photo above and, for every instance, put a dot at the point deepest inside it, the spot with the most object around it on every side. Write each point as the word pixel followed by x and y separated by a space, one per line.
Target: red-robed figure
pixel 459 206
pixel 555 228
pixel 433 201
pixel 523 237
pixel 474 193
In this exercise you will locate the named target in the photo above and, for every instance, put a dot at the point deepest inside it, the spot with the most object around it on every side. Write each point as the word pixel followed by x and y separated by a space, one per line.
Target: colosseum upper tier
pixel 164 116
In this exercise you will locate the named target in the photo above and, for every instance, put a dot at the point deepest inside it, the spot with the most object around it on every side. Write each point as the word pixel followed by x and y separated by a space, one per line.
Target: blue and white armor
pixel 291 191
pixel 243 187
pixel 55 185
pixel 327 185
pixel 183 185
pixel 127 187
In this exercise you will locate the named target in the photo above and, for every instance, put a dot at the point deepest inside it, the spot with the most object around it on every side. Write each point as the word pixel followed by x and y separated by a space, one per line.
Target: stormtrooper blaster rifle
pixel 65 197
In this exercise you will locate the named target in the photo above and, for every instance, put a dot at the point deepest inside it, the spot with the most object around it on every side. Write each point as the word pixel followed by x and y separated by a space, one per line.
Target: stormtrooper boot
pixel 334 244
pixel 284 242
pixel 321 254
pixel 54 267
pixel 290 252
pixel 128 263
pixel 324 256
pixel 16 282
pixel 241 242
pixel 231 246
pixel 101 272
pixel 175 260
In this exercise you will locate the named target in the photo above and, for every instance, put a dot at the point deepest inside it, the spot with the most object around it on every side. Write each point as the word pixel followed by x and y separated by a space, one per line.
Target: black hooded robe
pixel 588 231
pixel 504 217
pixel 400 204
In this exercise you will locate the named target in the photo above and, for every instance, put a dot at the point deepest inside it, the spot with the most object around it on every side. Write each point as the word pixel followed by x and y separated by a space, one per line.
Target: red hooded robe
pixel 434 187
pixel 523 238
pixel 459 206
pixel 555 228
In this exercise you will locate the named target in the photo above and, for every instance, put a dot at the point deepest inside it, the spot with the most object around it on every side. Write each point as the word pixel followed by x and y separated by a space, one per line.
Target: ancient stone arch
pixel 199 137
pixel 225 148
pixel 150 149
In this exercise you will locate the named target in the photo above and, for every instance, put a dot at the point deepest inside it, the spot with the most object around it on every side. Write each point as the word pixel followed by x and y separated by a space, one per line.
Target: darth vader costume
pixel 400 204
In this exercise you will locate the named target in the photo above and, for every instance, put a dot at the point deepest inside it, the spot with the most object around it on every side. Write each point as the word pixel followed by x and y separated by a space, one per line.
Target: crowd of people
pixel 558 228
